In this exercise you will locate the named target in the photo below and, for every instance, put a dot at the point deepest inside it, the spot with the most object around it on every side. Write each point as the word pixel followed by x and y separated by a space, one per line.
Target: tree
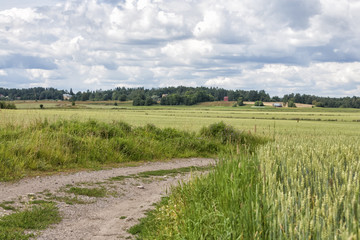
pixel 259 103
pixel 138 101
pixel 319 104
pixel 149 101
pixel 240 101
pixel 123 97
pixel 291 103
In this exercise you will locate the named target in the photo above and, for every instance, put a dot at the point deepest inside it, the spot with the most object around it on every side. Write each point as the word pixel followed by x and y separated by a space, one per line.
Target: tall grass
pixel 65 144
pixel 228 203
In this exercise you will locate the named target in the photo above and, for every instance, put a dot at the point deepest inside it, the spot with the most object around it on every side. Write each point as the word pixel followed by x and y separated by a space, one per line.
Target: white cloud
pixel 187 51
pixel 276 45
pixel 331 79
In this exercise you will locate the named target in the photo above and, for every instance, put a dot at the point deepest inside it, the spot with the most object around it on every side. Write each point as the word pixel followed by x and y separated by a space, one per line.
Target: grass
pixel 17 225
pixel 303 184
pixel 6 205
pixel 225 204
pixel 90 192
pixel 70 200
pixel 41 201
pixel 172 172
pixel 64 144
pixel 163 172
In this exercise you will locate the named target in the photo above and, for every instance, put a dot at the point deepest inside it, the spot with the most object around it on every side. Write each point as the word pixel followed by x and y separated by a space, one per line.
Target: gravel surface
pixel 100 218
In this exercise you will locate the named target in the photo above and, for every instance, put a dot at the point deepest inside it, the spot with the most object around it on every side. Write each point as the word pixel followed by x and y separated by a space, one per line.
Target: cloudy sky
pixel 281 46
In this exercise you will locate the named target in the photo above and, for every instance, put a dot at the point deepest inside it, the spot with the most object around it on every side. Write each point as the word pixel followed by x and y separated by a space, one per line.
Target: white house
pixel 67 96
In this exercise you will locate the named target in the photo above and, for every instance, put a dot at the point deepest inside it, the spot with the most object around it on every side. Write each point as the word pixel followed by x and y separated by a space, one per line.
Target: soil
pixel 100 218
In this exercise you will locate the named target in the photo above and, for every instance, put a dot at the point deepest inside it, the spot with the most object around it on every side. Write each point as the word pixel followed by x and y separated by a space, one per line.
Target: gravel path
pixel 104 218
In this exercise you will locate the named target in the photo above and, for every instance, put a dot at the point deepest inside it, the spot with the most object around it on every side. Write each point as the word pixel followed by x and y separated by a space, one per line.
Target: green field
pixel 187 118
pixel 303 183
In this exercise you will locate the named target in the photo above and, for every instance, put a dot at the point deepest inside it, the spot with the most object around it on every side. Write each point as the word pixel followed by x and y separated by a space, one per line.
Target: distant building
pixel 226 99
pixel 277 105
pixel 2 96
pixel 67 96
pixel 164 95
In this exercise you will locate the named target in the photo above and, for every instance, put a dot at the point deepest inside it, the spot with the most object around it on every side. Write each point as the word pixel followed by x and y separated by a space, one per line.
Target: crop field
pixel 302 182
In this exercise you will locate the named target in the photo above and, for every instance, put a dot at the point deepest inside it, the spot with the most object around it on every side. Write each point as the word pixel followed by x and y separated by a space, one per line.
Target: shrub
pixel 5 105
pixel 259 103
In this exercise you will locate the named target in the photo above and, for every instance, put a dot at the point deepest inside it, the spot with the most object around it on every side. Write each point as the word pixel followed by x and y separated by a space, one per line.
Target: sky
pixel 281 46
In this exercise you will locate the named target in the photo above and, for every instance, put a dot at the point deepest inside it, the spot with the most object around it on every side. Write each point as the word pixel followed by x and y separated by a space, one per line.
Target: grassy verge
pixel 39 217
pixel 226 204
pixel 73 144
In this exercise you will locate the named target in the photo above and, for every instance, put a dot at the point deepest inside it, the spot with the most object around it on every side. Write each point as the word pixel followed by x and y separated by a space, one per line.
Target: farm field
pixel 186 118
pixel 303 183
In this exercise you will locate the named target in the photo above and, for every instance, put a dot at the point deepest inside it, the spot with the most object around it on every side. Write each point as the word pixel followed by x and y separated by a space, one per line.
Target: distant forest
pixel 174 96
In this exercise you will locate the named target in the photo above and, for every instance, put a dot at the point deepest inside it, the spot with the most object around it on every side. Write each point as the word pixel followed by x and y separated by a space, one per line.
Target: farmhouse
pixel 67 96
pixel 226 99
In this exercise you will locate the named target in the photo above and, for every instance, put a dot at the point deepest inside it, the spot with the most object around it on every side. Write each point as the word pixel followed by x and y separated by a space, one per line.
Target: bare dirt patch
pixel 127 200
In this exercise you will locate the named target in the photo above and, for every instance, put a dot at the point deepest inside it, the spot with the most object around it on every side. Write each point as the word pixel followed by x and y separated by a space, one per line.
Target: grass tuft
pixel 39 217
pixel 90 192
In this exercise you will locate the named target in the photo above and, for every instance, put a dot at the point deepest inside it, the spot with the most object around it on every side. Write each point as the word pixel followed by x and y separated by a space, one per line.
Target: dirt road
pixel 99 218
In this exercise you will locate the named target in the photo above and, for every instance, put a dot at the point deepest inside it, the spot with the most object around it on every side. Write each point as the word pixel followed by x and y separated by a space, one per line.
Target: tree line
pixel 174 96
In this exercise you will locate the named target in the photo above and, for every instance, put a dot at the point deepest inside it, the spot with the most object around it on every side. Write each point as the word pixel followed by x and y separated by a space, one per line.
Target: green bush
pixel 5 105
pixel 227 134
pixel 259 103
